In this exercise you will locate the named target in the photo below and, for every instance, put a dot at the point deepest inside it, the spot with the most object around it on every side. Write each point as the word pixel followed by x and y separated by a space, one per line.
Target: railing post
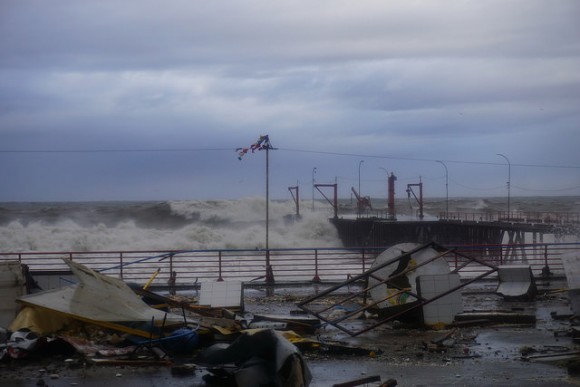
pixel 316 277
pixel 269 271
pixel 172 280
pixel 121 265
pixel 546 269
pixel 220 266
pixel 363 260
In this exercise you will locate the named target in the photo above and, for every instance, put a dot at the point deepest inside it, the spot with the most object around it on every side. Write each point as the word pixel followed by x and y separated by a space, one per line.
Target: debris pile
pixel 413 314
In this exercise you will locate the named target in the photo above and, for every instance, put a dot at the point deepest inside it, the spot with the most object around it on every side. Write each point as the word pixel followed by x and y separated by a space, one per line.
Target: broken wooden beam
pixel 358 382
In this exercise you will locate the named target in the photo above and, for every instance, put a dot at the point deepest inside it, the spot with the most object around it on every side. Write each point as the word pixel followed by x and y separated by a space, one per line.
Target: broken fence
pixel 346 295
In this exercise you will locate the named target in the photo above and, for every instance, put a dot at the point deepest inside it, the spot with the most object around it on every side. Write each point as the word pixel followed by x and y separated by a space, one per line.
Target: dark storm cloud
pixel 416 80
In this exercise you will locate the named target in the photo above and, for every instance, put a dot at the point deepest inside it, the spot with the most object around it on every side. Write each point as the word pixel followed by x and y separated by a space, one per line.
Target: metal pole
pixel 421 199
pixel 446 190
pixel 358 204
pixel 316 276
pixel 297 200
pixel 508 182
pixel 313 172
pixel 359 164
pixel 387 172
pixel 269 276
pixel 267 200
pixel 220 278
pixel 335 200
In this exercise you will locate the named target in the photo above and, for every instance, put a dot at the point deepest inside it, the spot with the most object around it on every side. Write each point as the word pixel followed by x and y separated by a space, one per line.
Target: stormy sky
pixel 148 100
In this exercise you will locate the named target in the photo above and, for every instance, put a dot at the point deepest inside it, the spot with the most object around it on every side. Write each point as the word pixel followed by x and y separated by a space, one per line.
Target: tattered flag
pixel 262 143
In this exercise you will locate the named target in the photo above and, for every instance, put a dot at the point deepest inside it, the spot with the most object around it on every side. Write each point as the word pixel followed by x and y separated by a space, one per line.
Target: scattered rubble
pixel 266 336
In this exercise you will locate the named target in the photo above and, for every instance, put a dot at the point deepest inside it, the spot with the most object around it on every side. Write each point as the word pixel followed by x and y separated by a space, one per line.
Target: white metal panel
pixel 222 294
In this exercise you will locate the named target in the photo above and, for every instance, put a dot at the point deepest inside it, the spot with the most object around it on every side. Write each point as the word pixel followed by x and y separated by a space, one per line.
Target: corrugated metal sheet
pixel 99 299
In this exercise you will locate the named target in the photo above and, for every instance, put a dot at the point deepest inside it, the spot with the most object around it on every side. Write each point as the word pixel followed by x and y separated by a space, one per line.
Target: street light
pixel 508 182
pixel 359 164
pixel 358 203
pixel 446 189
pixel 313 172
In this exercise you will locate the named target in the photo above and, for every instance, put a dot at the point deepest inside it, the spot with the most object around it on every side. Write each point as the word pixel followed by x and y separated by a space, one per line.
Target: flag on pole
pixel 262 143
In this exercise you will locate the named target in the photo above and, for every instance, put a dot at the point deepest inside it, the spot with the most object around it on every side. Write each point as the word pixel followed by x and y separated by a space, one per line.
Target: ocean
pixel 216 224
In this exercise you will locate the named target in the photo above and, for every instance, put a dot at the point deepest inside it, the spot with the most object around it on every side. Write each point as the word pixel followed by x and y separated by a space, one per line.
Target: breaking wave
pixel 211 224
pixel 176 225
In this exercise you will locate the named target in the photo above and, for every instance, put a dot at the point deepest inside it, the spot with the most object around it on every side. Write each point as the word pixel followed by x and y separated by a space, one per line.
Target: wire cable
pixel 285 150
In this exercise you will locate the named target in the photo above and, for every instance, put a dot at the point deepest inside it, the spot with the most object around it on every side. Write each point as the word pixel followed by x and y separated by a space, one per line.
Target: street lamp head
pixel 504 156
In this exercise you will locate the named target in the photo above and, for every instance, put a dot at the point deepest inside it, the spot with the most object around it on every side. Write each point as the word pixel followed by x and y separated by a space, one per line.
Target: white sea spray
pixel 217 224
pixel 186 225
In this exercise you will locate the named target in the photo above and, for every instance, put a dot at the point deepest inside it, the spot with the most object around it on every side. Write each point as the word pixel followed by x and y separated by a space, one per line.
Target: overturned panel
pixel 516 282
pixel 446 303
pixel 98 299
pixel 403 273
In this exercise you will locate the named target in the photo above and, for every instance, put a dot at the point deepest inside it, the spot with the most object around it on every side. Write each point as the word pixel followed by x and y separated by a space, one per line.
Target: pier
pixel 458 229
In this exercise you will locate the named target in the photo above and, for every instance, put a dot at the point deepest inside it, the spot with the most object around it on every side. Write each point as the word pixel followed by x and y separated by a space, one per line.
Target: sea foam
pixel 237 224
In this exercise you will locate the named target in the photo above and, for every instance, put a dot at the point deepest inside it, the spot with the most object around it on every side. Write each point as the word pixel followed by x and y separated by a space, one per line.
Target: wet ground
pixel 480 355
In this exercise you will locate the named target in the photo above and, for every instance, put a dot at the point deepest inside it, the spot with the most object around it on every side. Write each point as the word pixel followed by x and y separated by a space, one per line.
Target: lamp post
pixel 508 182
pixel 359 164
pixel 313 172
pixel 446 189
pixel 358 204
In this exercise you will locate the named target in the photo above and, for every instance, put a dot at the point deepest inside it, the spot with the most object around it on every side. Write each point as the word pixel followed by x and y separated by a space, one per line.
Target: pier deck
pixel 381 232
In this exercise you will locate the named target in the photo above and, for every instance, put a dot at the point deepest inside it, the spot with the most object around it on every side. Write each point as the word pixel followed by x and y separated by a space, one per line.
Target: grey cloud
pixel 148 34
pixel 405 80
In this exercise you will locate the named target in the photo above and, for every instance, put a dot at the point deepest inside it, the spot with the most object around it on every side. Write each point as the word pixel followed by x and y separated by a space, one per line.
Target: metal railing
pixel 528 217
pixel 287 265
pixel 543 258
